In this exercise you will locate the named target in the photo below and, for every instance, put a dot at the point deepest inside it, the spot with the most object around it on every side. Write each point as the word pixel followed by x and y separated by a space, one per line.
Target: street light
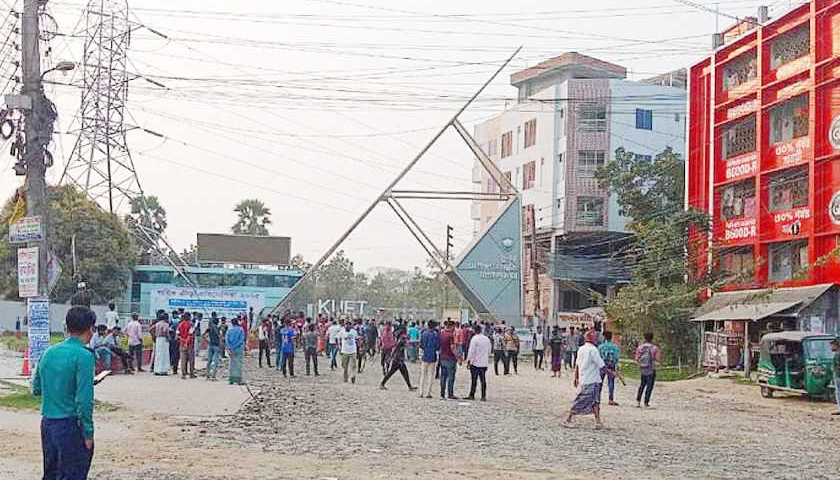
pixel 60 67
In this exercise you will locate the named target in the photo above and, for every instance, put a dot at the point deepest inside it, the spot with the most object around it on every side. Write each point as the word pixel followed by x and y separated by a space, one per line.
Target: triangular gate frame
pixel 507 193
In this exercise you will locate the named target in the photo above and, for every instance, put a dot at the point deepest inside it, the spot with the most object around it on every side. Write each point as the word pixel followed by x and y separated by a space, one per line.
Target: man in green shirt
pixel 835 347
pixel 64 380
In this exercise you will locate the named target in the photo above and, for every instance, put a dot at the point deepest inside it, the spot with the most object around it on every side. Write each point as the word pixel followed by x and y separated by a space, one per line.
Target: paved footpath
pixel 322 428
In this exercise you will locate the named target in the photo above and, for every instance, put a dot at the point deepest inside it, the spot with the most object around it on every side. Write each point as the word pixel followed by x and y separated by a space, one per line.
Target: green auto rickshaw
pixel 796 362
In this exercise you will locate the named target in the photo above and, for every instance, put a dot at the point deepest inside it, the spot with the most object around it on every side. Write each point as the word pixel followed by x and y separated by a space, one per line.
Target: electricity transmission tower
pixel 101 163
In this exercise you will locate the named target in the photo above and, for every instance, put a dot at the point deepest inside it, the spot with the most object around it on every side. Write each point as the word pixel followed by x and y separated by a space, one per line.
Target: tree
pixel 658 298
pixel 254 218
pixel 335 279
pixel 104 247
pixel 147 221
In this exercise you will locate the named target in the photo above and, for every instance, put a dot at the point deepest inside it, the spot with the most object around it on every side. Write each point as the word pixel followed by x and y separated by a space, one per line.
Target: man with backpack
pixel 647 356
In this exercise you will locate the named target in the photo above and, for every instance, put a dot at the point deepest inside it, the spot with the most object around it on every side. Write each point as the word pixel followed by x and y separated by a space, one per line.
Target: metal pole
pixel 535 271
pixel 390 186
pixel 36 137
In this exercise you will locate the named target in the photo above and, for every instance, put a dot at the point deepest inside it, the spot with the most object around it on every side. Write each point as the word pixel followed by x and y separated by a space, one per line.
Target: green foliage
pixel 658 299
pixel 254 218
pixel 630 370
pixel 147 222
pixel 105 250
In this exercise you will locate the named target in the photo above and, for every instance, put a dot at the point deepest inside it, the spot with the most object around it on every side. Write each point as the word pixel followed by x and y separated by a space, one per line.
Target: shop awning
pixel 758 304
pixel 746 312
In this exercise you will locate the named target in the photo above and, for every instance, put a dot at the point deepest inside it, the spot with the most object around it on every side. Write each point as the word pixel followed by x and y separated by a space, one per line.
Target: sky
pixel 314 106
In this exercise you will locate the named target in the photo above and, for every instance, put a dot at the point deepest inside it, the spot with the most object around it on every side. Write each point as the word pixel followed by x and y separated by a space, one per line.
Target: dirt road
pixel 317 428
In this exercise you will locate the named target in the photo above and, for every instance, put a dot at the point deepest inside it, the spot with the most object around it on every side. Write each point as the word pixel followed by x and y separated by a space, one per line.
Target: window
pixel 644 119
pixel 738 200
pixel 737 261
pixel 676 117
pixel 570 300
pixel 507 144
pixel 590 212
pixel 739 138
pixel 790 46
pixel 530 132
pixel 788 259
pixel 789 189
pixel 492 148
pixel 789 120
pixel 592 117
pixel 739 71
pixel 589 161
pixel 529 175
pixel 562 124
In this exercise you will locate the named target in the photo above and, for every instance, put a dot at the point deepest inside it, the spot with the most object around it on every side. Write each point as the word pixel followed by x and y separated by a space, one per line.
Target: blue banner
pixel 489 274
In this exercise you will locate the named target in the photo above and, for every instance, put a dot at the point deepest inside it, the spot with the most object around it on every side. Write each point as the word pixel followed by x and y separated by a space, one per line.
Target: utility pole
pixel 535 269
pixel 449 238
pixel 36 120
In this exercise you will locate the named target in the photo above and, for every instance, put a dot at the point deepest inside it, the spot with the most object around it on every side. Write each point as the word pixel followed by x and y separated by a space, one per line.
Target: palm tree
pixel 254 218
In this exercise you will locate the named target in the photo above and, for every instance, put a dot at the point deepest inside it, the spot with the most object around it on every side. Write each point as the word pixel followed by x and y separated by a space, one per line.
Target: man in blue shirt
pixel 101 344
pixel 429 344
pixel 64 380
pixel 413 341
pixel 287 346
pixel 609 354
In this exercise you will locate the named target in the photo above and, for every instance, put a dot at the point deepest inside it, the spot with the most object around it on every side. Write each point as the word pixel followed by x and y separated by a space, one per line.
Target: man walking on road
pixel 448 362
pixel 588 377
pixel 264 336
pixel 573 345
pixel 310 348
pixel 538 342
pixel 386 344
pixel 610 354
pixel 499 352
pixel 647 356
pixel 430 345
pixel 397 360
pixel 135 340
pixel 478 360
pixel 286 344
pixel 332 343
pixel 347 345
pixel 64 380
pixel 186 337
pixel 214 337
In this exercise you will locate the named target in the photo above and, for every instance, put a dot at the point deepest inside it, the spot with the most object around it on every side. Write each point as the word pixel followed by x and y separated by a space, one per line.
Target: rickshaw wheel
pixel 766 391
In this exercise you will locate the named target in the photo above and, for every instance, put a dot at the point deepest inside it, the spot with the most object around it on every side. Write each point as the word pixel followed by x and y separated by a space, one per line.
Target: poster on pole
pixel 38 313
pixel 26 229
pixel 27 272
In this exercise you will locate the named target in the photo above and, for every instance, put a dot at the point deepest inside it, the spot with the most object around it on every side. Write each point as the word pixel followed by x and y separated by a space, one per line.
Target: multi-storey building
pixel 764 162
pixel 573 112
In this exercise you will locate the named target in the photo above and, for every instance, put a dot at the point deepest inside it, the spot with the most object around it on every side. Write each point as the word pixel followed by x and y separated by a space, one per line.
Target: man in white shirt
pixel 588 377
pixel 347 338
pixel 332 342
pixel 112 319
pixel 478 360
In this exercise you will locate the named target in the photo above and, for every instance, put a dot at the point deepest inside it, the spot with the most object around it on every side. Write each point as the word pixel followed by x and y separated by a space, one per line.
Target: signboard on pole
pixel 26 229
pixel 488 274
pixel 38 313
pixel 27 272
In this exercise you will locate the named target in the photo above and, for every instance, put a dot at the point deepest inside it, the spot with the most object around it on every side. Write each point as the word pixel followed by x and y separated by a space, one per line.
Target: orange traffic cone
pixel 25 371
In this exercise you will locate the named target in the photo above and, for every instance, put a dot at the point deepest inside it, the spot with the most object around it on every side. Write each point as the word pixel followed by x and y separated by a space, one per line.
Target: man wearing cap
pixel 588 377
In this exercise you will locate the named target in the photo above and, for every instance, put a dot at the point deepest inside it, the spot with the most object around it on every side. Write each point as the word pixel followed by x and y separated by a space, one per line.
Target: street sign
pixel 27 272
pixel 38 312
pixel 26 229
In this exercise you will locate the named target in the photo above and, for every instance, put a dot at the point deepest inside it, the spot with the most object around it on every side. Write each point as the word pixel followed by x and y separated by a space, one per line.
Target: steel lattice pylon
pixel 101 162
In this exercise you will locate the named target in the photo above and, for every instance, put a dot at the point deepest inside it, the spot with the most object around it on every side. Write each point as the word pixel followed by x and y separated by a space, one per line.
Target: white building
pixel 574 111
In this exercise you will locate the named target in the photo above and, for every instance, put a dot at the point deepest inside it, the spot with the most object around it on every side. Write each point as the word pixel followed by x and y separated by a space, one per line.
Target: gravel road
pixel 322 428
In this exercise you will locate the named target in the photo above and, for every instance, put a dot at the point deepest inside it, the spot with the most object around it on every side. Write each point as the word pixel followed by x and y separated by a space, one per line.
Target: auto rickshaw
pixel 796 362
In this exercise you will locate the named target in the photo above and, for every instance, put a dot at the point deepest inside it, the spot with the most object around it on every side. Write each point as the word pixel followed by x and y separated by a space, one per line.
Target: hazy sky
pixel 314 105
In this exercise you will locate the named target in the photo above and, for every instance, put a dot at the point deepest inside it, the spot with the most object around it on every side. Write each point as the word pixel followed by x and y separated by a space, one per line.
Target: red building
pixel 764 157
